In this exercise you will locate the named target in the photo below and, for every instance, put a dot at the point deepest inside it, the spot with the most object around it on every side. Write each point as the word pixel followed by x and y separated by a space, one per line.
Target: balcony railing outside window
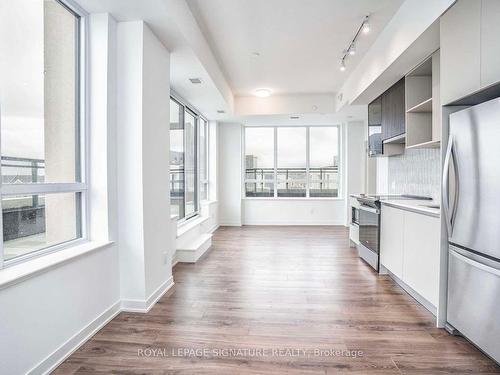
pixel 292 182
pixel 23 216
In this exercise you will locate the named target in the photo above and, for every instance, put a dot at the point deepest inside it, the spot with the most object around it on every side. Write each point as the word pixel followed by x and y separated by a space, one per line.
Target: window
pixel 203 159
pixel 43 189
pixel 188 160
pixel 291 164
pixel 259 162
pixel 299 161
pixel 324 162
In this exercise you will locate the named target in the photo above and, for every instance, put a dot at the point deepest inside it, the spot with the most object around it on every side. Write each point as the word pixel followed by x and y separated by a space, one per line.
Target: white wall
pixel 44 317
pixel 230 174
pixel 295 211
pixel 143 159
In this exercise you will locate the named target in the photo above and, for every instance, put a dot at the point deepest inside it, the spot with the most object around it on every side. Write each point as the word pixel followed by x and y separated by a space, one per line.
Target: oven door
pixel 369 225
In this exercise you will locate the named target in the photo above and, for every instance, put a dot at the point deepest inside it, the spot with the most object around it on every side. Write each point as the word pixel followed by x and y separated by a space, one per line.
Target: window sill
pixel 190 224
pixel 30 268
pixel 293 198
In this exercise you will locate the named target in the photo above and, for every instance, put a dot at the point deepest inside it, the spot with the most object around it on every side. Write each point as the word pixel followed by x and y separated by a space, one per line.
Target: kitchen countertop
pixel 417 206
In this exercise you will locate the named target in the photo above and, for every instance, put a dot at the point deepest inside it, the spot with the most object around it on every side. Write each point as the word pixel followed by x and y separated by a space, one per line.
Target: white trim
pixel 291 224
pixel 230 224
pixel 143 306
pixel 48 188
pixel 58 356
pixel 213 229
pixel 293 198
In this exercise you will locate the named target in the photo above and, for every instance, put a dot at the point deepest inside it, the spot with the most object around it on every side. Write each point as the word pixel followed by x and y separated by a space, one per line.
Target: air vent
pixel 195 81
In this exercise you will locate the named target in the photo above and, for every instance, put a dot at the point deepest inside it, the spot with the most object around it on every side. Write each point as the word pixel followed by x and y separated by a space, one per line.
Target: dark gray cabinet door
pixel 393 110
pixel 375 112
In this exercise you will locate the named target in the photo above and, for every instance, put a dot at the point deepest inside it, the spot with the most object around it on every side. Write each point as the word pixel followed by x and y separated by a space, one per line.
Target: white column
pixel 143 91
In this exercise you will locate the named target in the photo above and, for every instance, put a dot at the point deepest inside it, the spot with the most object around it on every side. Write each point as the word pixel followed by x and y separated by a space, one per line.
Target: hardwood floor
pixel 262 289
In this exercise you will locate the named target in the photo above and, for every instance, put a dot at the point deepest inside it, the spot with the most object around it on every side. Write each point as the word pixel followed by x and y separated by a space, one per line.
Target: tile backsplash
pixel 416 172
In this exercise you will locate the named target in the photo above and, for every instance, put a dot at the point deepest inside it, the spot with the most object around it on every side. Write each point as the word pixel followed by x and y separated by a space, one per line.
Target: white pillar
pixel 143 92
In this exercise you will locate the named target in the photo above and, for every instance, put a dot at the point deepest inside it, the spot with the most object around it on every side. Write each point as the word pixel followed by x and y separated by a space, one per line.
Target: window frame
pixel 184 106
pixel 204 181
pixel 82 150
pixel 340 141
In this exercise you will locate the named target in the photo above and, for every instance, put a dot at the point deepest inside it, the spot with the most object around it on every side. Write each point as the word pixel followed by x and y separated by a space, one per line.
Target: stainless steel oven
pixel 369 234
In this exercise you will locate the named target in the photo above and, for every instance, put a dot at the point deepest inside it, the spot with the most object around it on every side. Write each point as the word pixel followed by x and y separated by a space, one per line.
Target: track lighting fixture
pixel 351 49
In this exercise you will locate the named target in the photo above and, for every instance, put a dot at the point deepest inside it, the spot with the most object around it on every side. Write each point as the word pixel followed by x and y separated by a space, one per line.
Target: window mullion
pixel 275 162
pixel 308 179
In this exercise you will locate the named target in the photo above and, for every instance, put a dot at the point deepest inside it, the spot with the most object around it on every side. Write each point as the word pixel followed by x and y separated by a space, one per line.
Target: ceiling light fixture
pixel 351 49
pixel 366 26
pixel 263 93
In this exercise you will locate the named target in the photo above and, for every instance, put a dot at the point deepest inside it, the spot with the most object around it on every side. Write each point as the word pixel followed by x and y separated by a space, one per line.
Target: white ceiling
pixel 300 42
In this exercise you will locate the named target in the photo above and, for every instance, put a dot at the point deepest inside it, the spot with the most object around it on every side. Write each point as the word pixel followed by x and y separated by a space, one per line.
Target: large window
pixel 43 189
pixel 259 162
pixel 188 160
pixel 299 161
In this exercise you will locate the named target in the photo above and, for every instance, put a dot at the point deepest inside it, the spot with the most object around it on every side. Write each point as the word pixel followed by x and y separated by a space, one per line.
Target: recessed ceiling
pixel 289 46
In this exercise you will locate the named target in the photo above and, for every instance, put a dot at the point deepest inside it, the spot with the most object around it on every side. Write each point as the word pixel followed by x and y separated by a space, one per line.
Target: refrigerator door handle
pixel 456 187
pixel 446 197
pixel 476 261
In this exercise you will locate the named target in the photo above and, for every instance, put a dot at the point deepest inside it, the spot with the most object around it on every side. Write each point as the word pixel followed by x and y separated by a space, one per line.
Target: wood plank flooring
pixel 266 291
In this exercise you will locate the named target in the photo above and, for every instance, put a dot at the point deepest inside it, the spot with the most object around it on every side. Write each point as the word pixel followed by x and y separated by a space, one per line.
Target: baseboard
pixel 143 306
pixel 414 294
pixel 214 228
pixel 288 223
pixel 54 359
pixel 230 224
pixel 175 260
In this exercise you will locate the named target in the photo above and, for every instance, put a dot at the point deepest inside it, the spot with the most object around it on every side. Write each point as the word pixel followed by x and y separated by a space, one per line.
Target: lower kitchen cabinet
pixel 410 250
pixel 391 240
pixel 421 255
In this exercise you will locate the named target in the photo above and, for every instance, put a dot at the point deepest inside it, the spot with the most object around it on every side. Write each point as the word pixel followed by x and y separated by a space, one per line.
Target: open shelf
pixel 423 125
pixel 398 139
pixel 425 106
pixel 430 144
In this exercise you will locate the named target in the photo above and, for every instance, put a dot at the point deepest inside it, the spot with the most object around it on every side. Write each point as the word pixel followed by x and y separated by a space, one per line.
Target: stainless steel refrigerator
pixel 471 202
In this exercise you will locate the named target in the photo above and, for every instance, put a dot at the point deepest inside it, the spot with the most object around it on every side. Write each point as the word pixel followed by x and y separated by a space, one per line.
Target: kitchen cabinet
pixel 490 49
pixel 470 55
pixel 421 255
pixel 375 127
pixel 375 112
pixel 391 240
pixel 393 111
pixel 410 250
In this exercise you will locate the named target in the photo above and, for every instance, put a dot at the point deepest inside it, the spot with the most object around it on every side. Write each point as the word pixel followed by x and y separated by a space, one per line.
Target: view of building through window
pixel 299 161
pixel 40 125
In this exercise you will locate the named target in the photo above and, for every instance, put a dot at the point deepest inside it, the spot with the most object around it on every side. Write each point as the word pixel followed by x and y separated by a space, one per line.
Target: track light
pixel 366 27
pixel 352 49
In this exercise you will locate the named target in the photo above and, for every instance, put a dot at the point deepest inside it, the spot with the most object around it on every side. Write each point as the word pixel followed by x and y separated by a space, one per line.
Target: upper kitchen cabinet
pixel 490 47
pixel 375 127
pixel 393 111
pixel 386 122
pixel 470 53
